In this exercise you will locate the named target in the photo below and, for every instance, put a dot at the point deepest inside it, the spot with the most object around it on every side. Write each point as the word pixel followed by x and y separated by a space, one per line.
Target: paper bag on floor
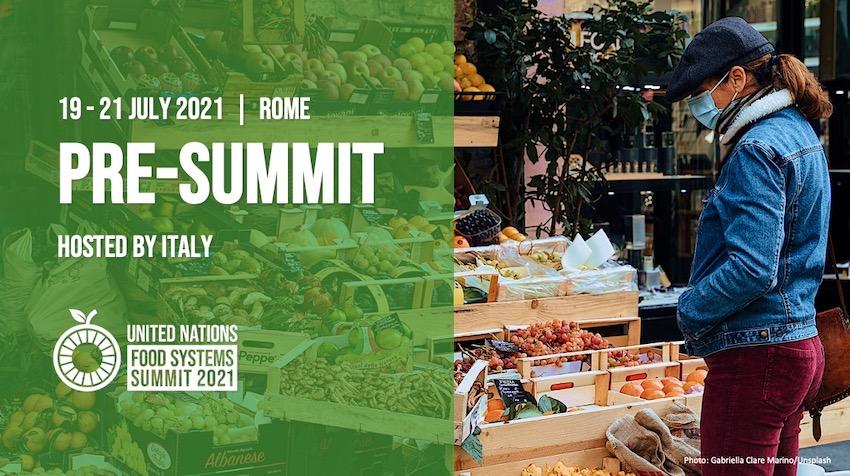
pixel 74 284
pixel 20 273
pixel 645 445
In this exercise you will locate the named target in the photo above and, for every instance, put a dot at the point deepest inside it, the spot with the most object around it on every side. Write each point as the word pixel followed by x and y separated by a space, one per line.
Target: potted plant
pixel 569 79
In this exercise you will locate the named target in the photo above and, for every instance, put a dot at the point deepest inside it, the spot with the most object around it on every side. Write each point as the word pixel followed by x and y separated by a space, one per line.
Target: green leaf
pixel 549 405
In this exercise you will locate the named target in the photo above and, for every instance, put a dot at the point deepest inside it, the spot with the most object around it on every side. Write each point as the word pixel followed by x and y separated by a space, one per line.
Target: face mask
pixel 703 108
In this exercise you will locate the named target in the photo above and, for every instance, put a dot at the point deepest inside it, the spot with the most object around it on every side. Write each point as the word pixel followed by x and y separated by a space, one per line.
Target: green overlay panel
pixel 280 304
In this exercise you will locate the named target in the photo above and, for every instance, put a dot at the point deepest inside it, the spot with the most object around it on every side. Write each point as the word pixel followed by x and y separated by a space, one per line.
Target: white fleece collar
pixel 767 105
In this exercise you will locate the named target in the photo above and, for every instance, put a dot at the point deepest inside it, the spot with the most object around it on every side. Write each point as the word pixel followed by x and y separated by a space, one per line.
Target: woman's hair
pixel 787 72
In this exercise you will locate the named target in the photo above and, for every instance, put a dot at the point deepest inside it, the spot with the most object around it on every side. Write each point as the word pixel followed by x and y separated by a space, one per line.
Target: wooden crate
pixel 393 131
pixel 687 363
pixel 469 407
pixel 654 370
pixel 510 447
pixel 258 349
pixel 618 331
pixel 462 276
pixel 173 314
pixel 585 459
pixel 152 28
pixel 579 388
pixel 580 308
pixel 338 415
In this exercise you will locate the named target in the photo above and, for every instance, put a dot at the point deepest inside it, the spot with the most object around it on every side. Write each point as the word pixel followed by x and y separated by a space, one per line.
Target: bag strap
pixel 816 428
pixel 830 250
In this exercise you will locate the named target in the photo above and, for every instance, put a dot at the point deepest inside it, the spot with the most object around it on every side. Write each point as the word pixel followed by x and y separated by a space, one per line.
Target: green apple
pixel 417 43
pixel 330 76
pixel 430 82
pixel 375 67
pixel 338 69
pixel 328 55
pixel 292 60
pixel 434 49
pixel 297 50
pixel 448 63
pixel 425 70
pixel 388 339
pixel 446 83
pixel 419 60
pixel 370 50
pixel 384 60
pixel 374 82
pixel 416 89
pixel 406 50
pixel 350 57
pixel 402 91
pixel 252 49
pixel 310 76
pixel 411 74
pixel 330 90
pixel 435 65
pixel 308 84
pixel 259 63
pixel 360 81
pixel 358 68
pixel 314 65
pixel 448 48
pixel 402 64
pixel 390 74
pixel 346 90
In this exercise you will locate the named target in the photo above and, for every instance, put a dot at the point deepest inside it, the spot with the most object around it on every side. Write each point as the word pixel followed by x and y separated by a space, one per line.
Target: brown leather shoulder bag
pixel 834 330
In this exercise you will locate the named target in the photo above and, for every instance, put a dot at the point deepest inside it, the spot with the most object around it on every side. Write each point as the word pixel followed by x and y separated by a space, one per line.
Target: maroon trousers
pixel 753 404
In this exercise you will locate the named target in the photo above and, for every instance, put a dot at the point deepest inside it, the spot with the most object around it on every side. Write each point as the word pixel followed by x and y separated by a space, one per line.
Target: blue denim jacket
pixel 761 241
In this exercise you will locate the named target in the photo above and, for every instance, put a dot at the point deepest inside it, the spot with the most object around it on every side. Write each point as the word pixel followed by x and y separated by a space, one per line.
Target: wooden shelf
pixel 393 131
pixel 581 307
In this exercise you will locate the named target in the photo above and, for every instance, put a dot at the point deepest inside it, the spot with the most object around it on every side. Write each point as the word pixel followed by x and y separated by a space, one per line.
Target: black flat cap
pixel 725 43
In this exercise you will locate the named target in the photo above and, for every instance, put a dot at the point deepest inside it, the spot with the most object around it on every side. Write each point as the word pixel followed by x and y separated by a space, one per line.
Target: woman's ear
pixel 738 79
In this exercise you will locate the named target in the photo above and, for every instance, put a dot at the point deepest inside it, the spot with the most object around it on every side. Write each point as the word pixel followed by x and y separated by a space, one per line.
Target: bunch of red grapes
pixel 624 358
pixel 539 339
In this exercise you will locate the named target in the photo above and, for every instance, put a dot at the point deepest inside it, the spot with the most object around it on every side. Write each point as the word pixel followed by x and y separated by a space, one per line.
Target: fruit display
pixel 495 410
pixel 624 358
pixel 560 469
pixel 57 422
pixel 126 450
pixel 88 470
pixel 408 72
pixel 510 233
pixel 479 227
pixel 538 339
pixel 652 389
pixel 169 216
pixel 159 413
pixel 416 225
pixel 216 302
pixel 232 259
pixel 378 261
pixel 419 392
pixel 158 68
pixel 468 80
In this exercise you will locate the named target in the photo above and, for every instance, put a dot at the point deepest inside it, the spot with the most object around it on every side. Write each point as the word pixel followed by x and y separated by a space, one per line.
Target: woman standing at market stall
pixel 761 246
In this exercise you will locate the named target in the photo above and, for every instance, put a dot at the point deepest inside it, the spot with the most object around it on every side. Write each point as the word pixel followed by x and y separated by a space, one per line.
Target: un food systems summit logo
pixel 86 357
